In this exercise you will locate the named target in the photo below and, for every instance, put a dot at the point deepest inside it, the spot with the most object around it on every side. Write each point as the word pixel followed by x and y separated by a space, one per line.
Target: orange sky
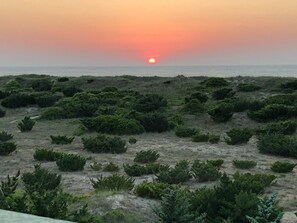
pixel 108 31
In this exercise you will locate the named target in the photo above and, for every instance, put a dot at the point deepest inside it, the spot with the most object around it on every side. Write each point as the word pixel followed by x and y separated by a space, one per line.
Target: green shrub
pixel 135 170
pixel 272 112
pixel 115 182
pixel 104 144
pixel 26 124
pixel 197 95
pixel 154 168
pixel 215 82
pixel 290 85
pixel 5 136
pixel 175 120
pixel 279 145
pixel 205 171
pixel 198 137
pixel 193 106
pixel 3 94
pixel 248 87
pixel 71 91
pixel 217 163
pixel 113 124
pixel 238 136
pixel 63 79
pixel 179 174
pixel 147 156
pixel 111 167
pixel 150 103
pixel 7 148
pixel 283 127
pixel 53 113
pixel 222 112
pixel 213 139
pixel 240 105
pixel 46 155
pixel 46 100
pixel 282 167
pixel 152 190
pixel 223 93
pixel 244 164
pixel 96 166
pixel 17 100
pixel 154 122
pixel 71 162
pixel 282 99
pixel 61 140
pixel 132 140
pixel 2 113
pixel 256 105
pixel 42 85
pixel 183 131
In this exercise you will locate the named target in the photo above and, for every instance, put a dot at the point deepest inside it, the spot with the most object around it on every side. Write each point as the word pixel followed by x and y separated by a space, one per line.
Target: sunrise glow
pixel 152 61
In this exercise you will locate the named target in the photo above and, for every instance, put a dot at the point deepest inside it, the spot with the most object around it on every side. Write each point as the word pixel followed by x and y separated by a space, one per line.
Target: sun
pixel 152 60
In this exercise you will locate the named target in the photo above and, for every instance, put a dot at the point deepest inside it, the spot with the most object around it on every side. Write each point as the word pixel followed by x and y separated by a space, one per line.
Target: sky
pixel 129 32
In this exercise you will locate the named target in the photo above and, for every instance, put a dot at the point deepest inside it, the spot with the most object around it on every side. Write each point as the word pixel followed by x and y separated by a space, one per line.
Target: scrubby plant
pixel 217 163
pixel 282 99
pixel 2 113
pixel 197 95
pixel 244 164
pixel 26 124
pixel 3 94
pixel 111 167
pixel 280 145
pixel 154 168
pixel 175 120
pixel 61 140
pixel 53 113
pixel 5 136
pixel 193 106
pixel 104 144
pixel 46 100
pixel 205 171
pixel 240 105
pixel 150 103
pixel 247 87
pixel 113 124
pixel 7 148
pixel 135 170
pixel 41 85
pixel 17 100
pixel 238 136
pixel 179 174
pixel 283 127
pixel 71 162
pixel 222 112
pixel 152 190
pixel 132 140
pixel 146 156
pixel 183 131
pixel 198 137
pixel 114 182
pixel 282 167
pixel 96 166
pixel 71 90
pixel 154 122
pixel 256 105
pixel 223 93
pixel 290 84
pixel 213 139
pixel 63 79
pixel 46 155
pixel 215 82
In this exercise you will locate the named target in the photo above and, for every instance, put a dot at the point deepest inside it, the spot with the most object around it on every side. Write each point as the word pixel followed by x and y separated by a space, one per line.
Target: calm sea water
pixel 165 71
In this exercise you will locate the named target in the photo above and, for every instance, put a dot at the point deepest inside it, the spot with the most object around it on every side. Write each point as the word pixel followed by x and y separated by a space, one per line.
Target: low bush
pixel 61 140
pixel 2 113
pixel 290 85
pixel 154 122
pixel 150 103
pixel 283 127
pixel 26 124
pixel 152 190
pixel 135 170
pixel 7 148
pixel 113 124
pixel 146 156
pixel 240 105
pixel 280 145
pixel 63 79
pixel 238 136
pixel 18 100
pixel 198 137
pixel 114 182
pixel 175 120
pixel 154 168
pixel 71 162
pixel 71 90
pixel 223 93
pixel 256 105
pixel 5 136
pixel 183 131
pixel 132 140
pixel 215 82
pixel 282 167
pixel 217 163
pixel 282 99
pixel 197 95
pixel 41 85
pixel 46 155
pixel 179 174
pixel 213 139
pixel 193 106
pixel 96 166
pixel 104 144
pixel 244 164
pixel 46 100
pixel 205 171
pixel 3 94
pixel 111 167
pixel 222 112
pixel 54 113
pixel 248 87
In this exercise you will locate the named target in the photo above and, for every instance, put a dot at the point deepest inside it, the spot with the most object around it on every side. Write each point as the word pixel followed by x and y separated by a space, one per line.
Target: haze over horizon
pixel 128 33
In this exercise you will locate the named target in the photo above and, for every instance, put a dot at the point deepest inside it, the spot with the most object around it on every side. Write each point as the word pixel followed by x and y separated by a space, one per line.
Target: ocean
pixel 153 70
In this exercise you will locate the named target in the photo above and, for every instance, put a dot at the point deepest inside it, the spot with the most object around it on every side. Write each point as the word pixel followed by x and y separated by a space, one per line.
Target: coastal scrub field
pixel 145 149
